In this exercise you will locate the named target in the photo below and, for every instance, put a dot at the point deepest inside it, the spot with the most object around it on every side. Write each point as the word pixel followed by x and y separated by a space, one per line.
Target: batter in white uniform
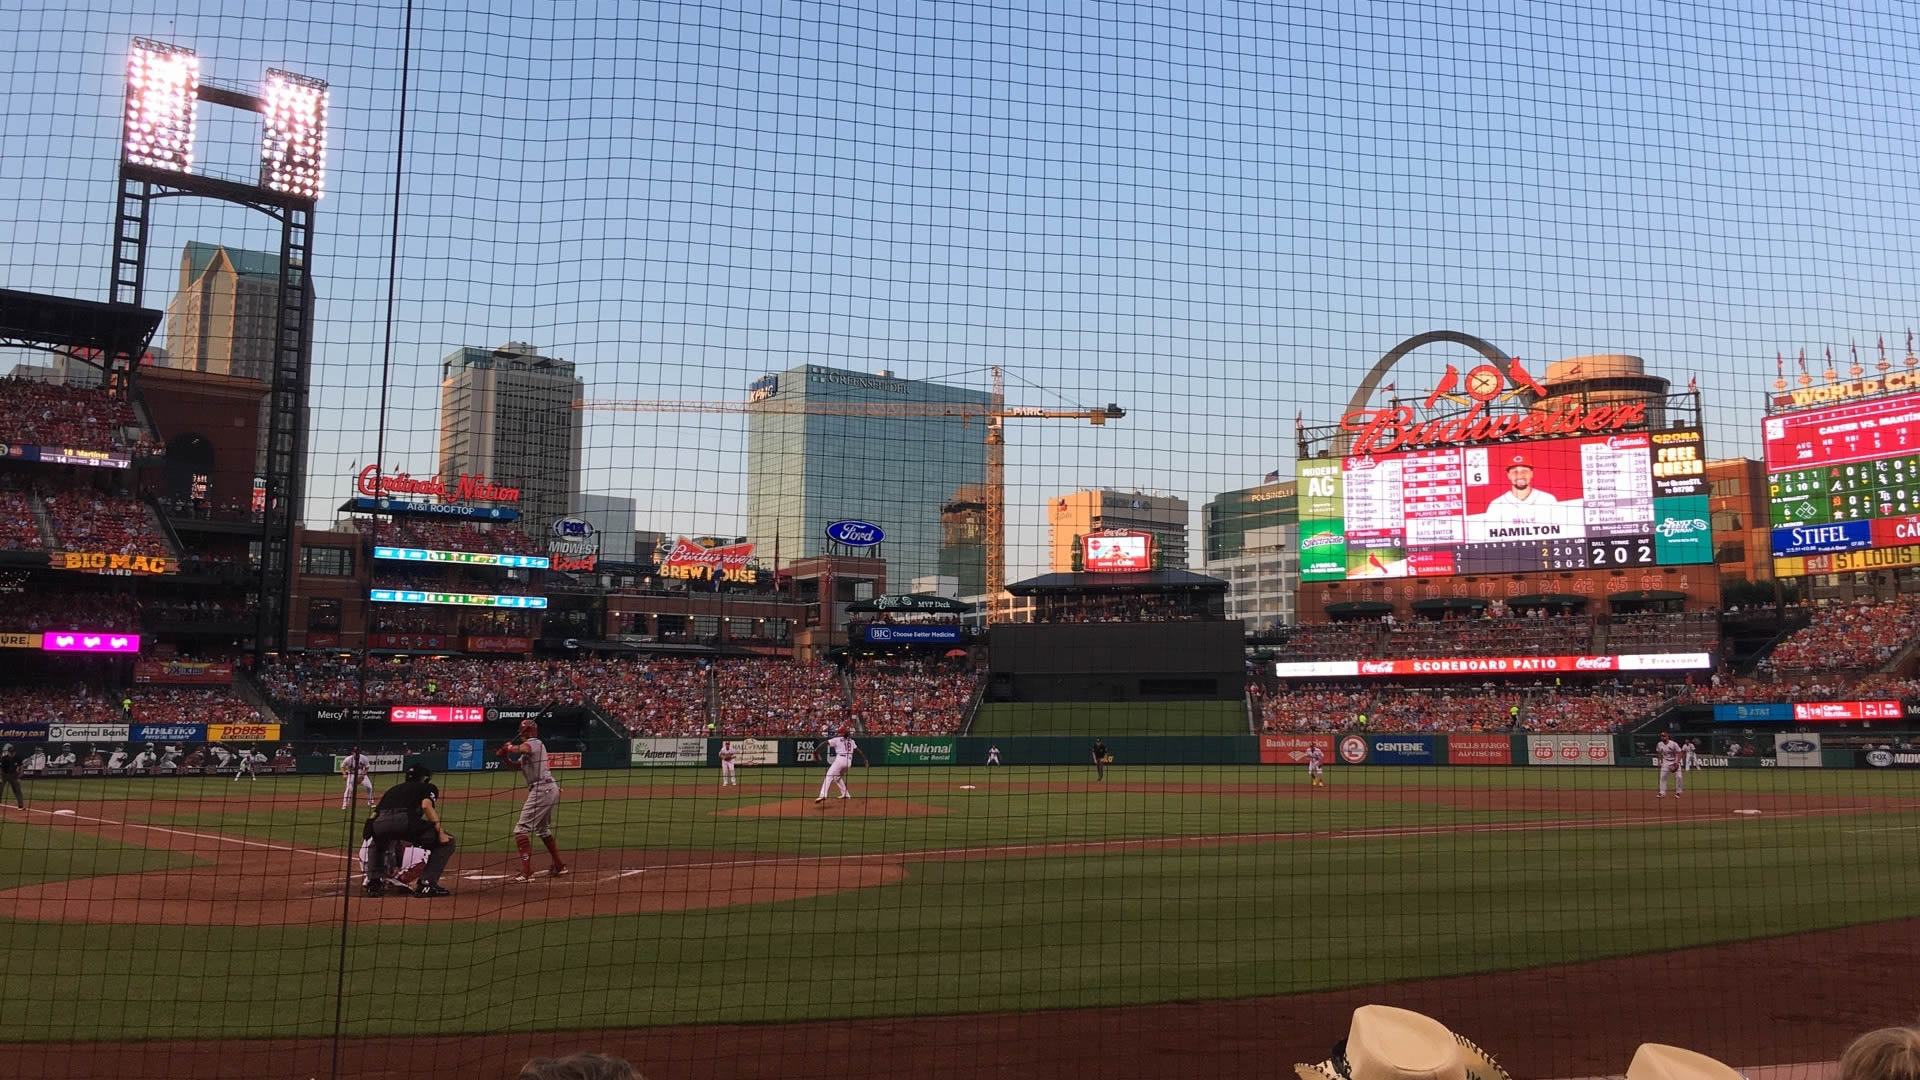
pixel 1667 753
pixel 840 749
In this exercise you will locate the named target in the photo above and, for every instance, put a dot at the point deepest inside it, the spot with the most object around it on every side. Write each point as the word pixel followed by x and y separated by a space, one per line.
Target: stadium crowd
pixel 37 610
pixel 1458 709
pixel 84 519
pixel 913 696
pixel 19 528
pixel 448 536
pixel 77 417
pixel 1846 637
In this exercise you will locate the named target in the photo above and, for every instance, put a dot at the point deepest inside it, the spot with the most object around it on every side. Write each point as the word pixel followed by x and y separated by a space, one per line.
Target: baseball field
pixel 956 921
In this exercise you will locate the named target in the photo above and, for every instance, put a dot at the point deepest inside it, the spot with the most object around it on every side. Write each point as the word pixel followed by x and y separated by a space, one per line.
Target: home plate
pixel 63 813
pixel 1748 813
pixel 969 787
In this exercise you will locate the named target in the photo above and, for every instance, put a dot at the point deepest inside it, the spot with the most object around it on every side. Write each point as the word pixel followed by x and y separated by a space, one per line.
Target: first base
pixel 63 813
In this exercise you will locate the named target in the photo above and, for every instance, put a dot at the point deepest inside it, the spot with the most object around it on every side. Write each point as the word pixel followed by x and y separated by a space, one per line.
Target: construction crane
pixel 996 413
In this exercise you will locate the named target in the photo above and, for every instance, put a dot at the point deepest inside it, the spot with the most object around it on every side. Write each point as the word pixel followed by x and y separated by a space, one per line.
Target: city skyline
pixel 1214 224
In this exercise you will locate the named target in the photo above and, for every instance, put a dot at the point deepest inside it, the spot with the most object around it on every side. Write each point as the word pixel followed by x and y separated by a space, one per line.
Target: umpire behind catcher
pixel 406 814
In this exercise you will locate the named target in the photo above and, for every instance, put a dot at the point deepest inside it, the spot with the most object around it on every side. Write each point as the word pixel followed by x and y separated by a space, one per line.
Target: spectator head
pixel 579 1067
pixel 1654 1061
pixel 1385 1043
pixel 1887 1054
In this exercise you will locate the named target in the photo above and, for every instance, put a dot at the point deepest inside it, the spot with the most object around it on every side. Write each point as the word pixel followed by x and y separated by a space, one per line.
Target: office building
pixel 916 477
pixel 1069 517
pixel 612 519
pixel 1252 541
pixel 222 319
pixel 508 414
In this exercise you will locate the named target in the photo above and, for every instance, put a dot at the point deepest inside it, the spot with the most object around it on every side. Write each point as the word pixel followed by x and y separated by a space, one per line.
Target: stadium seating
pixel 912 697
pixel 87 520
pixel 80 417
pixel 38 610
pixel 19 529
pixel 190 705
pixel 1852 637
pixel 448 536
pixel 779 697
pixel 1395 708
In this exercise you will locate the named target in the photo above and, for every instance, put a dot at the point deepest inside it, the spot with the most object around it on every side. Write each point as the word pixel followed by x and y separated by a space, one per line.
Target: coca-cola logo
pixel 1376 667
pixel 855 533
pixel 1593 663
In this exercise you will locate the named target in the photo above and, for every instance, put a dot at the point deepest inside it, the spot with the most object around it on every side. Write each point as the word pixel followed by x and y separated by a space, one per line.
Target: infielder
pixel 529 755
pixel 243 767
pixel 359 773
pixel 841 748
pixel 1667 753
pixel 727 778
pixel 1100 759
pixel 993 755
pixel 1689 756
pixel 1314 757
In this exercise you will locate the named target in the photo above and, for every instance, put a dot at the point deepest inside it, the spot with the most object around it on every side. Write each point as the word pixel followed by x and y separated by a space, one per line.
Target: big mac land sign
pixel 1389 430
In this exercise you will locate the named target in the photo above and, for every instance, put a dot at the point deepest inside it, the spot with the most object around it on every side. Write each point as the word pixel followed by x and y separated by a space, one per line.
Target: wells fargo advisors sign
pixel 467 488
pixel 1396 428
pixel 101 562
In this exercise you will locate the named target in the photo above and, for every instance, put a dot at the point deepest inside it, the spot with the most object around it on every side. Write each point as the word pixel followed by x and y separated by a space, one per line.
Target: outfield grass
pixel 1119 718
pixel 1311 910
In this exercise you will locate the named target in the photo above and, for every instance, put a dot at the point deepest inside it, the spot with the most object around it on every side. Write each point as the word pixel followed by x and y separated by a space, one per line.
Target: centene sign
pixel 437 714
pixel 1492 665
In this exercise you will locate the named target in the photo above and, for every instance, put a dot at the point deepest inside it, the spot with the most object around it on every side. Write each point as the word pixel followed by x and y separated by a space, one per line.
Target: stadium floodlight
pixel 293 150
pixel 163 86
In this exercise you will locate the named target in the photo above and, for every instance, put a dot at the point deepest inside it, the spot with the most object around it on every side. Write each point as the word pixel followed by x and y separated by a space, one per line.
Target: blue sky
pixel 1216 214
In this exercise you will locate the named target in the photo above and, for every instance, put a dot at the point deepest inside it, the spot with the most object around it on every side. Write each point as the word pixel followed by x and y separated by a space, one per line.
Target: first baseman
pixel 359 773
pixel 1667 753
pixel 529 755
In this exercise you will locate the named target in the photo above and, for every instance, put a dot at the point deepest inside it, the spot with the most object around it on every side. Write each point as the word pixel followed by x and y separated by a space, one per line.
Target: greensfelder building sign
pixel 919 752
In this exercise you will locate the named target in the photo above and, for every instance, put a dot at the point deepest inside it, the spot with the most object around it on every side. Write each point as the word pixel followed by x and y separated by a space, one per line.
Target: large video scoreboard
pixel 1842 482
pixel 1621 501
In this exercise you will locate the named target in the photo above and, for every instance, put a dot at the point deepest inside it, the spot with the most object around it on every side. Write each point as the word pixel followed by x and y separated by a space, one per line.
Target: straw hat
pixel 1385 1043
pixel 1654 1061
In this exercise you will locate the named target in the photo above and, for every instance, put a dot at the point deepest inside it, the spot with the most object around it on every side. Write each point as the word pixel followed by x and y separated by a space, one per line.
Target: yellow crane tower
pixel 996 413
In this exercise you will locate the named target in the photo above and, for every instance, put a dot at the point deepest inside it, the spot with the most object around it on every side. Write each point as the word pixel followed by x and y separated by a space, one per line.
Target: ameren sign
pixel 467 488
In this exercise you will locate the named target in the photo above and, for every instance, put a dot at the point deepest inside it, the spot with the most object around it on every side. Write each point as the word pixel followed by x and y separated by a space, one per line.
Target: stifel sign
pixel 467 488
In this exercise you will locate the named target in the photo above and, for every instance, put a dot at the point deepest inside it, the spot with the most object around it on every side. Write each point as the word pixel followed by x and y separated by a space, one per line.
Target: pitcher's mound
pixel 854 807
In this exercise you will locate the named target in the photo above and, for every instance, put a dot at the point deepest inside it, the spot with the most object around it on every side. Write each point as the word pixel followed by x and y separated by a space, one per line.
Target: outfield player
pixel 1100 759
pixel 841 748
pixel 1667 753
pixel 529 755
pixel 1314 757
pixel 993 755
pixel 727 777
pixel 359 773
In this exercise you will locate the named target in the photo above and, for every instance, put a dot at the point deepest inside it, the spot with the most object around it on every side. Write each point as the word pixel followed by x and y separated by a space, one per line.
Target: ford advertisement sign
pixel 859 534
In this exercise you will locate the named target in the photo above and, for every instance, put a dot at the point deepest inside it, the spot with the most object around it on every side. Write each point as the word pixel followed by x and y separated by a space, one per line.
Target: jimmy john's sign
pixel 101 562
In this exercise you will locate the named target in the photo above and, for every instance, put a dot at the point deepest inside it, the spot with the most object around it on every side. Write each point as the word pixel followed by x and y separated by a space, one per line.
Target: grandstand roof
pixel 42 320
pixel 1151 581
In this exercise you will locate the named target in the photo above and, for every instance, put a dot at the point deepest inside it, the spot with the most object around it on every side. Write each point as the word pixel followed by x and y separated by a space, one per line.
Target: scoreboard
pixel 1842 479
pixel 1631 500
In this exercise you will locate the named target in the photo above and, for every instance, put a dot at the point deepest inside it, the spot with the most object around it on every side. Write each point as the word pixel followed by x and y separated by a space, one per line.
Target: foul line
pixel 219 837
pixel 1196 840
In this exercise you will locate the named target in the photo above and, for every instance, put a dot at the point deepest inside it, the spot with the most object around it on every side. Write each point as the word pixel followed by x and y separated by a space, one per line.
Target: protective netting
pixel 1283 501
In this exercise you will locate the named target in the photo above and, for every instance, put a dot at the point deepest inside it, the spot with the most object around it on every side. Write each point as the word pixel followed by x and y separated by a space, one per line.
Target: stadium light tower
pixel 164 89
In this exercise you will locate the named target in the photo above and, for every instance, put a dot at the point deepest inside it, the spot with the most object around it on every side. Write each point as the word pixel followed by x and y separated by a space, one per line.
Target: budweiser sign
pixel 721 557
pixel 1386 431
pixel 467 488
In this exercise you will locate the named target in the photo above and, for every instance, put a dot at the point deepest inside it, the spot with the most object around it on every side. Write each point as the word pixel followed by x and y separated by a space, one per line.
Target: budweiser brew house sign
pixel 399 485
pixel 1393 429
